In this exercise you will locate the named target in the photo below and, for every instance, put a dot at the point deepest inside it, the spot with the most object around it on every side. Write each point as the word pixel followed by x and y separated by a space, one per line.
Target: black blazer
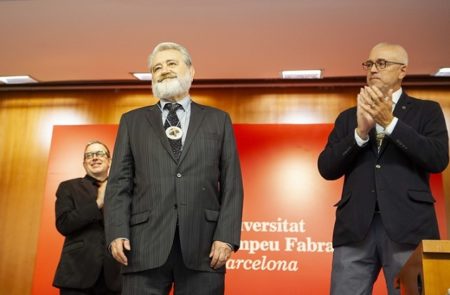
pixel 148 190
pixel 397 177
pixel 84 253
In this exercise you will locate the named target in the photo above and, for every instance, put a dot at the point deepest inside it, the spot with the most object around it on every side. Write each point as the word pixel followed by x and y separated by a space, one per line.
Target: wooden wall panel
pixel 27 118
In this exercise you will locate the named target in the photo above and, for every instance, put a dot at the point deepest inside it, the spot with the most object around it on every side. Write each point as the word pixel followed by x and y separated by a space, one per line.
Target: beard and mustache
pixel 172 86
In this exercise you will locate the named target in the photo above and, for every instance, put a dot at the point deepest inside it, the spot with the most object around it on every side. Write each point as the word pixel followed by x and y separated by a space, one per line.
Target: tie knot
pixel 380 135
pixel 172 107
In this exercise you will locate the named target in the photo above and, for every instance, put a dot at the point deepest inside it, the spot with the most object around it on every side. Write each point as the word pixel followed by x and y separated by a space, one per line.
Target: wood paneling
pixel 27 118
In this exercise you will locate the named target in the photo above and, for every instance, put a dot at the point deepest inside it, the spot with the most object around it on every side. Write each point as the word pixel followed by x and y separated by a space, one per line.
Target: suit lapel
pixel 195 120
pixel 400 110
pixel 86 184
pixel 153 116
pixel 402 106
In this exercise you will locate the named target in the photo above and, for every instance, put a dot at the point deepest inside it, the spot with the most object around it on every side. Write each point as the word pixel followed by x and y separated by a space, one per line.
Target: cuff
pixel 390 128
pixel 359 141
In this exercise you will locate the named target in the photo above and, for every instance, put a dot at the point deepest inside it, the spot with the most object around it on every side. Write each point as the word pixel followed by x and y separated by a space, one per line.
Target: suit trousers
pixel 99 288
pixel 173 273
pixel 356 266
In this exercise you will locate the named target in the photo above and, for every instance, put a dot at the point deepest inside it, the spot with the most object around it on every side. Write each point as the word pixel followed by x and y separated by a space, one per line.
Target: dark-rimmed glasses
pixel 98 154
pixel 380 64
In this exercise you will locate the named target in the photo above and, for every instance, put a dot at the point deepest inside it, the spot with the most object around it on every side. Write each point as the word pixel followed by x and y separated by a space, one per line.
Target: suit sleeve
pixel 120 187
pixel 341 149
pixel 231 189
pixel 71 217
pixel 427 146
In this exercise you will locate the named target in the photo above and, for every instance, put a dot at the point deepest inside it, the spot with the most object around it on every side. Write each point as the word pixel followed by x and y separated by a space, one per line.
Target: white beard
pixel 172 87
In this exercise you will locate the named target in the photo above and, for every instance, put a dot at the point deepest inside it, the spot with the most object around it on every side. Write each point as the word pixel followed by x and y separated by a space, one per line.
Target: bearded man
pixel 173 204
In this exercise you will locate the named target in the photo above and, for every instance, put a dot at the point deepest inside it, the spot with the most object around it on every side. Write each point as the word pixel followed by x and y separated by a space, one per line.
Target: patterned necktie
pixel 173 121
pixel 380 132
pixel 380 136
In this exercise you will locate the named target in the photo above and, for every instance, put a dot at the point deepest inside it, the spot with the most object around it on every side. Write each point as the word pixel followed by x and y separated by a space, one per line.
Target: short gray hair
pixel 402 54
pixel 167 46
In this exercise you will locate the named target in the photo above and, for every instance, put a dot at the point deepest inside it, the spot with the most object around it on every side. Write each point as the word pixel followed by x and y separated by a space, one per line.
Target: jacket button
pixel 378 166
pixel 175 206
pixel 178 175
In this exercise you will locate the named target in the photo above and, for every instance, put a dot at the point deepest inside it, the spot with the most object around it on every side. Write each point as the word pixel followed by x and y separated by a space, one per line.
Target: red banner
pixel 288 208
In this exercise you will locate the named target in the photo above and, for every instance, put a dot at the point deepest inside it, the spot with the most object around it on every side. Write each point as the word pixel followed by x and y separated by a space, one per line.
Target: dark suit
pixel 386 191
pixel 148 191
pixel 84 254
pixel 396 178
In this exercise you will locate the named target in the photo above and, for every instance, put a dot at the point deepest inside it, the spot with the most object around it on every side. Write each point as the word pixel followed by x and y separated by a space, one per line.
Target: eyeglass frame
pixel 98 154
pixel 380 64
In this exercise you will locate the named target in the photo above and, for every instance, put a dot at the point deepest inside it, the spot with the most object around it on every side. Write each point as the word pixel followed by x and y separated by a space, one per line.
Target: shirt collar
pixel 396 96
pixel 93 180
pixel 185 102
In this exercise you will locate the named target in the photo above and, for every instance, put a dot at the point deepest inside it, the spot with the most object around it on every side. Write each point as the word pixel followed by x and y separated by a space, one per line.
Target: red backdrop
pixel 288 213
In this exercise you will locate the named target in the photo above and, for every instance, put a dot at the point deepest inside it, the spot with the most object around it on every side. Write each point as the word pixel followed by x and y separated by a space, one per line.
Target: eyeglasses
pixel 379 64
pixel 98 154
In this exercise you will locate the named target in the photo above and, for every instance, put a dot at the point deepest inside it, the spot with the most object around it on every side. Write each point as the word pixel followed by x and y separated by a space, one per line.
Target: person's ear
pixel 403 71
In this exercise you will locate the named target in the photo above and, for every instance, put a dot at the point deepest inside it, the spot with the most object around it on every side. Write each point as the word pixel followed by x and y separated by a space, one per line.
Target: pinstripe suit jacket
pixel 148 190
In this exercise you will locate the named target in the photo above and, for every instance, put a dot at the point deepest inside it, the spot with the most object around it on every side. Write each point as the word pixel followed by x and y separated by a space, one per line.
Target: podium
pixel 427 271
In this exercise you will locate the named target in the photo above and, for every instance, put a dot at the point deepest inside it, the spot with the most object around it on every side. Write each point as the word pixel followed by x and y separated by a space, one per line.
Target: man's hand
pixel 220 253
pixel 377 105
pixel 364 118
pixel 117 250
